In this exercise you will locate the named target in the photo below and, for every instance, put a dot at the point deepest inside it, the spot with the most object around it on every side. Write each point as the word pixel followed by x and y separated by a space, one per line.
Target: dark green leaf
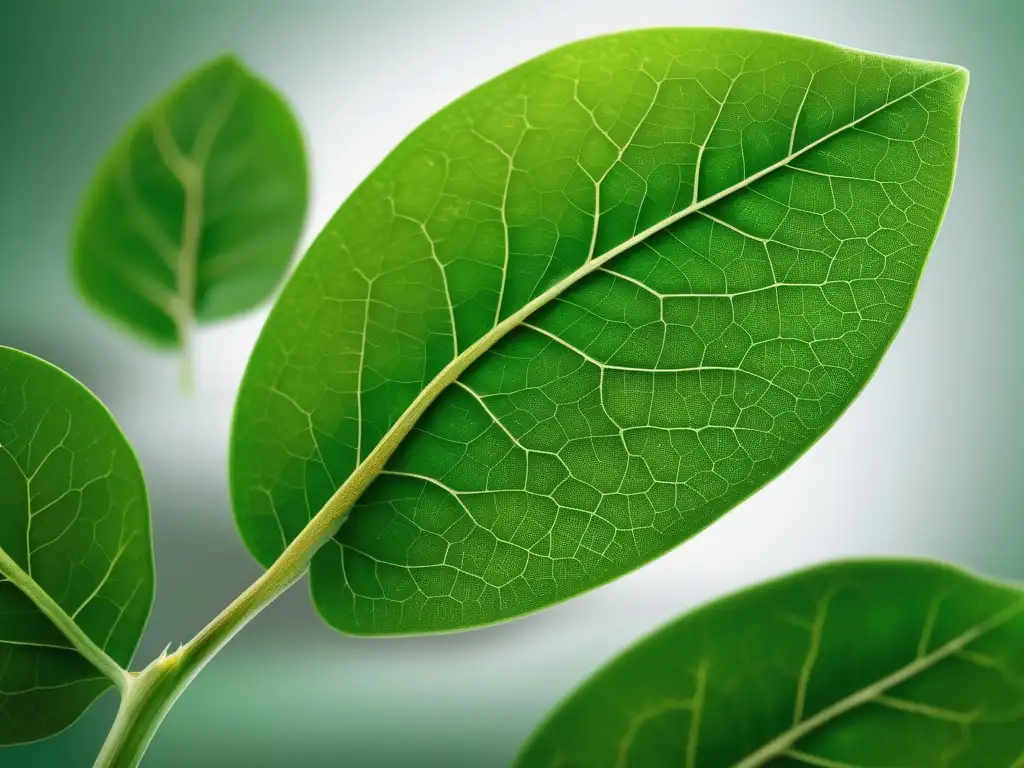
pixel 195 213
pixel 606 385
pixel 873 663
pixel 76 560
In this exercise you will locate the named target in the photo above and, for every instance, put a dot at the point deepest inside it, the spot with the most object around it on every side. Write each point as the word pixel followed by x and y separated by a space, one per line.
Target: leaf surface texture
pixel 644 272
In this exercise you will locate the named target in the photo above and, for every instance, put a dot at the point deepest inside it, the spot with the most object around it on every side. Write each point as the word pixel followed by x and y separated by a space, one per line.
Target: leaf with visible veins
pixel 76 558
pixel 889 664
pixel 584 311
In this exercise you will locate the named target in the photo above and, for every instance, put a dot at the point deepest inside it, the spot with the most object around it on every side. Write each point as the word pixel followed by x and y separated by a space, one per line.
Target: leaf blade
pixel 76 562
pixel 734 316
pixel 838 664
pixel 194 214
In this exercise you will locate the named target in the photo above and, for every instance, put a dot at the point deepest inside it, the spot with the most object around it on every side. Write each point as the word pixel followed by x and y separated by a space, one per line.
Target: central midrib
pixel 190 171
pixel 326 522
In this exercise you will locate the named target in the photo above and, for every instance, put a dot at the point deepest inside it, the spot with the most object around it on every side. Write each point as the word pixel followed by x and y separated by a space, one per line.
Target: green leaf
pixel 194 214
pixel 560 397
pixel 76 560
pixel 869 663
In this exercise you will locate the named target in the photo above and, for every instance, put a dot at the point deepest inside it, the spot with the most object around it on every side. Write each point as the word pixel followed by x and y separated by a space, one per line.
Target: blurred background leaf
pixel 194 214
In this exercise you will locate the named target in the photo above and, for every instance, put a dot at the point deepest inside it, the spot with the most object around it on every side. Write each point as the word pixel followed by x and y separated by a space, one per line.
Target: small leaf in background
pixel 640 274
pixel 76 559
pixel 194 215
pixel 869 663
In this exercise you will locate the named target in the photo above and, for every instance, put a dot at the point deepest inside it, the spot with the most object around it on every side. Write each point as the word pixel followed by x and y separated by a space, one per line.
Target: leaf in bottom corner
pixel 871 663
pixel 74 540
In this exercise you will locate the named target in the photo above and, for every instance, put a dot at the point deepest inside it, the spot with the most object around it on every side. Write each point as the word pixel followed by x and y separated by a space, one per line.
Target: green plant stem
pixel 152 692
pixel 158 686
pixel 144 703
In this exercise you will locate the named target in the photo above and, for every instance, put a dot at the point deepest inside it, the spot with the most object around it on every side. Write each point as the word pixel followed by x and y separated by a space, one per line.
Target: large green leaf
pixel 195 213
pixel 76 560
pixel 871 663
pixel 603 386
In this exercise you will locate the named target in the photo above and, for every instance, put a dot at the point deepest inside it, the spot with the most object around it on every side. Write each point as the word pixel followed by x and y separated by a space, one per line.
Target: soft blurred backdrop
pixel 927 461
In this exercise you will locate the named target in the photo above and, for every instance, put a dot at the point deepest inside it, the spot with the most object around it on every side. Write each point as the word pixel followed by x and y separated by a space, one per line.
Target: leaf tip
pixel 228 60
pixel 227 65
pixel 963 76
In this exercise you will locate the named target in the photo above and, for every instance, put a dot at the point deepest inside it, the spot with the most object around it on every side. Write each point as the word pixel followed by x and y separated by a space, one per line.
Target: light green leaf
pixel 870 663
pixel 76 560
pixel 561 396
pixel 195 213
